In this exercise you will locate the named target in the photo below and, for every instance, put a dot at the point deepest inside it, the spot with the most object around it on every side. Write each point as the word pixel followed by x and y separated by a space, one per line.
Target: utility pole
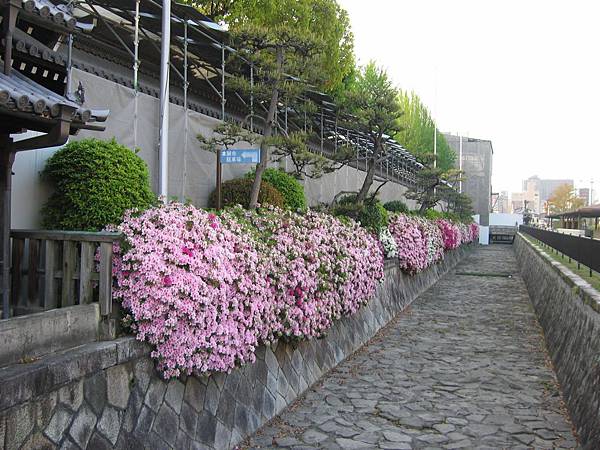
pixel 163 150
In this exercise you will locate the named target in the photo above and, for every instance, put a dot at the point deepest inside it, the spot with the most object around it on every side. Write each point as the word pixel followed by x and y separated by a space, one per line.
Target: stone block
pixel 97 442
pixel 38 441
pixel 226 410
pixel 145 420
pixel 222 437
pixel 194 393
pixel 71 395
pixel 19 423
pixel 166 424
pixel 110 424
pixel 174 395
pixel 94 391
pixel 118 381
pixel 155 394
pixel 188 419
pixel 58 424
pixel 212 397
pixel 83 426
pixel 206 428
pixel 44 408
pixel 143 372
pixel 129 417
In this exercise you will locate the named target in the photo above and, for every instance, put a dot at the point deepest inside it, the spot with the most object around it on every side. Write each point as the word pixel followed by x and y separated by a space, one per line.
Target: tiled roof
pixel 59 14
pixel 19 93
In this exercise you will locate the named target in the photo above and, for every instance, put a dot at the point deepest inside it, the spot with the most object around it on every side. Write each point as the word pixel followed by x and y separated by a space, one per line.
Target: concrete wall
pixel 30 192
pixel 108 395
pixel 568 309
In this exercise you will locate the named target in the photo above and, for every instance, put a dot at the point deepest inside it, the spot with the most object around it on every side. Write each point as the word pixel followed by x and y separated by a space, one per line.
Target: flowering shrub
pixel 319 269
pixel 474 232
pixel 420 242
pixel 412 245
pixel 390 248
pixel 206 290
pixel 451 234
pixel 193 288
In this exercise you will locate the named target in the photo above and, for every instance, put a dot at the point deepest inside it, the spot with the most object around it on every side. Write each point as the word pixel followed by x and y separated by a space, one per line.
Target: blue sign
pixel 240 156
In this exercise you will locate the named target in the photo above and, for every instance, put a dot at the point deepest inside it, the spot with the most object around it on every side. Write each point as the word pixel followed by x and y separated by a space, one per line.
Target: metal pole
pixel 460 162
pixel 164 100
pixel 322 126
pixel 136 65
pixel 185 106
pixel 218 181
pixel 223 82
pixel 252 97
pixel 69 65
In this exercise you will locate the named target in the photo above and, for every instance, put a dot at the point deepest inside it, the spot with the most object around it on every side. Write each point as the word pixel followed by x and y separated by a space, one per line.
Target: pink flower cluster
pixel 206 290
pixel 194 289
pixel 421 242
pixel 318 268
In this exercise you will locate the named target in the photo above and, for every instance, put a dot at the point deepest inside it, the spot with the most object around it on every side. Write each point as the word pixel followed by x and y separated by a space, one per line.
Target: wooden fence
pixel 53 269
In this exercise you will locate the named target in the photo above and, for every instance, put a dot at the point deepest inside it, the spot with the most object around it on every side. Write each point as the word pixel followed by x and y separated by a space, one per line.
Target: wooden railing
pixel 52 269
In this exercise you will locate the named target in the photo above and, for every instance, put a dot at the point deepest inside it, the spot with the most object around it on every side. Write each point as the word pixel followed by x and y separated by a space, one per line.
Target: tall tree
pixel 371 106
pixel 564 199
pixel 325 20
pixel 433 184
pixel 418 128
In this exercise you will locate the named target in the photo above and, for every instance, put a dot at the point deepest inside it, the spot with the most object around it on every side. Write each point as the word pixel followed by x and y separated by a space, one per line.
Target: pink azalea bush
pixel 319 268
pixel 206 290
pixel 420 242
pixel 451 234
pixel 194 289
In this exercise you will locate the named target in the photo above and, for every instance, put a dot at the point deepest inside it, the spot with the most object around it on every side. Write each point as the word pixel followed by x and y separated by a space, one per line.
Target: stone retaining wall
pixel 108 394
pixel 568 309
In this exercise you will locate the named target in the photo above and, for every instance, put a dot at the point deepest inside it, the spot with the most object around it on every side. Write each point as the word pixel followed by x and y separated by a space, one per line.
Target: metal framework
pixel 131 30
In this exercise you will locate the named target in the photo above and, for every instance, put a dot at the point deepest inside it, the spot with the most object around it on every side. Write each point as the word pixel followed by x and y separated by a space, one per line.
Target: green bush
pixel 371 214
pixel 396 206
pixel 287 185
pixel 96 182
pixel 237 192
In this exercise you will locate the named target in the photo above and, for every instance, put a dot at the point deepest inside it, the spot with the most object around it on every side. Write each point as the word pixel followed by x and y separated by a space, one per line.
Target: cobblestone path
pixel 463 367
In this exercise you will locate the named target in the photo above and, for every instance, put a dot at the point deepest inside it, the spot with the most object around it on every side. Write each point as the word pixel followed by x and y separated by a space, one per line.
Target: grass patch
pixel 583 272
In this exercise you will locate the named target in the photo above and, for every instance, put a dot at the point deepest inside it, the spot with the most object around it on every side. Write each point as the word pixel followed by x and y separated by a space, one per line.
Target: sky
pixel 524 74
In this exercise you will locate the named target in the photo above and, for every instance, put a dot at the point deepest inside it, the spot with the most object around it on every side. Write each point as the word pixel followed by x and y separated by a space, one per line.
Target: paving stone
pixel 462 370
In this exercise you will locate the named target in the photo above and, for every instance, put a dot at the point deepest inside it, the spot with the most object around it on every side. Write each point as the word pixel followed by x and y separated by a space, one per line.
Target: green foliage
pixel 417 128
pixel 371 106
pixel 325 20
pixel 237 192
pixel 96 182
pixel 396 206
pixel 289 187
pixel 370 214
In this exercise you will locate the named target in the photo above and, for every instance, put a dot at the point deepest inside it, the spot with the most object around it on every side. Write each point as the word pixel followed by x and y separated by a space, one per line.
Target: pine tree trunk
pixel 268 132
pixel 371 166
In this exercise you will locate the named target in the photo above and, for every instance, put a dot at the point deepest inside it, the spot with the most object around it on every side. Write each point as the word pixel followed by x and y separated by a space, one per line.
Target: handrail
pixel 59 235
pixel 582 249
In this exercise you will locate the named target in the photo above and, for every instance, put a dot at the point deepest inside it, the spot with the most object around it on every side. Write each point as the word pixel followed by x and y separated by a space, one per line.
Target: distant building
pixel 500 203
pixel 476 162
pixel 517 202
pixel 537 191
pixel 584 194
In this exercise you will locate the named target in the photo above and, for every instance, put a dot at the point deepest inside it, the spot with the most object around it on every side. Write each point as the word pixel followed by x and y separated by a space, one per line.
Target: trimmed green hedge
pixel 237 192
pixel 96 182
pixel 396 206
pixel 289 187
pixel 371 214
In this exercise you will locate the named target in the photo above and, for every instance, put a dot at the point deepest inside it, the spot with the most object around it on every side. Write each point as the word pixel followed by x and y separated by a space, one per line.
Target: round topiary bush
pixel 396 206
pixel 289 187
pixel 237 192
pixel 96 182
